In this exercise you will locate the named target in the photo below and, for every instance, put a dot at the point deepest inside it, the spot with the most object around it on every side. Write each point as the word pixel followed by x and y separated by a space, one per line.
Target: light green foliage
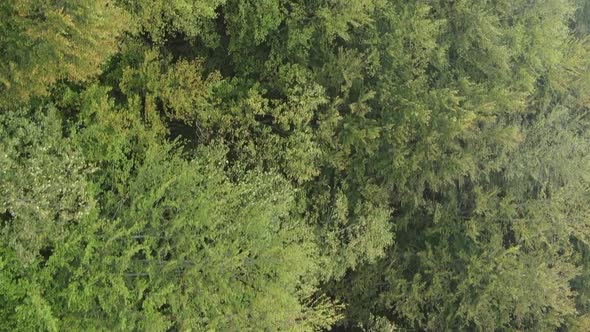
pixel 188 246
pixel 295 165
pixel 250 22
pixel 162 19
pixel 43 185
pixel 45 199
pixel 46 41
pixel 174 243
pixel 284 122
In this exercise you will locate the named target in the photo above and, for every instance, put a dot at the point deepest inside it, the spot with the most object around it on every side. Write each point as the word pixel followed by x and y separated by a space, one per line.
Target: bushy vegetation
pixel 294 165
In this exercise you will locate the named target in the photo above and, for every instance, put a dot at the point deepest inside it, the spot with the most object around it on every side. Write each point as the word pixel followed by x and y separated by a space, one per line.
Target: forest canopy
pixel 295 165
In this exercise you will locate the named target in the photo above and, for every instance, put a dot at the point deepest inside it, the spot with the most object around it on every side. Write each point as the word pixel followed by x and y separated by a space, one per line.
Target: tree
pixel 45 199
pixel 479 193
pixel 295 165
pixel 167 242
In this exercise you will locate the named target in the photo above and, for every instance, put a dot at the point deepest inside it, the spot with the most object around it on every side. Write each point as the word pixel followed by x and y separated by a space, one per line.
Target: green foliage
pixel 43 183
pixel 162 19
pixel 47 41
pixel 187 245
pixel 379 324
pixel 295 165
pixel 172 243
pixel 45 198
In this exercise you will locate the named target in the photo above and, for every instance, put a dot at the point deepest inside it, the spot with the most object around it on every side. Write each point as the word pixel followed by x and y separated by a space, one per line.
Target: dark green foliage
pixel 295 165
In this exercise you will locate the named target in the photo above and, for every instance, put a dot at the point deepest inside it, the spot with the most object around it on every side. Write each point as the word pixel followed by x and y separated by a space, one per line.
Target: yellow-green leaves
pixel 44 42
